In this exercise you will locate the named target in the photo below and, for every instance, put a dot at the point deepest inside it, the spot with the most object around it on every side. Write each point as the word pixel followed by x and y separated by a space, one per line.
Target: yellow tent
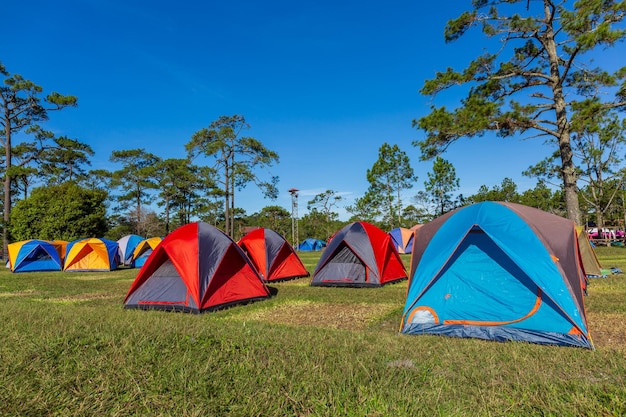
pixel 91 254
pixel 143 250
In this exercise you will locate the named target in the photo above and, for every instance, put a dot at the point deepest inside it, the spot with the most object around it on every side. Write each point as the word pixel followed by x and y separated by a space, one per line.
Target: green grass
pixel 68 348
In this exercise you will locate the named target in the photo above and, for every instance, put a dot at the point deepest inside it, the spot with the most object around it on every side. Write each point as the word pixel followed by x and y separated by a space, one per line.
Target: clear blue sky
pixel 323 83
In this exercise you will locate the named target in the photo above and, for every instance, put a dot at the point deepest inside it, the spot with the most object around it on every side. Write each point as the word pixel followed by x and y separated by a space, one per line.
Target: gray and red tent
pixel 272 256
pixel 196 268
pixel 359 255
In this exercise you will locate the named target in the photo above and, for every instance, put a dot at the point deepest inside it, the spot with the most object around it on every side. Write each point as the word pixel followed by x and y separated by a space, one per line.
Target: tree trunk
pixel 231 231
pixel 391 212
pixel 599 218
pixel 167 216
pixel 441 203
pixel 624 208
pixel 399 201
pixel 226 201
pixel 569 179
pixel 138 226
pixel 7 189
pixel 568 169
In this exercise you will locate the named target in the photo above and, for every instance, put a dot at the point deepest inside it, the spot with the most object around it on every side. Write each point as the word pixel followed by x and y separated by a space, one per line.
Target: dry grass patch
pixel 78 298
pixel 326 315
pixel 88 276
pixel 607 331
pixel 298 282
pixel 19 293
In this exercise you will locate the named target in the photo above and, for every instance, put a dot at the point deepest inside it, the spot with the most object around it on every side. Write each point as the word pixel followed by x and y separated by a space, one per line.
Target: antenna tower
pixel 294 217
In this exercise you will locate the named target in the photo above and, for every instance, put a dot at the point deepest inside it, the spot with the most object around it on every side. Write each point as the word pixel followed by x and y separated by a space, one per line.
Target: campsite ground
pixel 69 348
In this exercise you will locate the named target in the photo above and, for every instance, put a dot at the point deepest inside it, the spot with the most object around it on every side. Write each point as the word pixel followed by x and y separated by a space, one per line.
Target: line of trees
pixel 49 194
pixel 534 77
pixel 74 201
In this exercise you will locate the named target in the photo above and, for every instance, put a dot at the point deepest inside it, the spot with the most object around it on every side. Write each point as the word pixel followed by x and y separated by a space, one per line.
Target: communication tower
pixel 294 217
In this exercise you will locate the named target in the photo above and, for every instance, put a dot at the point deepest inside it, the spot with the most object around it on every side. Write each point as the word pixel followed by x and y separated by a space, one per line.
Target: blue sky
pixel 322 83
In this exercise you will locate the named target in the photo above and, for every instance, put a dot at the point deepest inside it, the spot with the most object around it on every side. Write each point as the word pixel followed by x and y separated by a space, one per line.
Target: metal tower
pixel 294 217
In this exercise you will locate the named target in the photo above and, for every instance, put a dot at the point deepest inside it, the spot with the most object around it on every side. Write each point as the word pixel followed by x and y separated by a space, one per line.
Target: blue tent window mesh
pixel 38 255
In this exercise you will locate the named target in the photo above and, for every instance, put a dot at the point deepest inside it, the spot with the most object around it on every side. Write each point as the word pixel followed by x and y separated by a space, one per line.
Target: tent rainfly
pixel 309 244
pixel 403 239
pixel 127 245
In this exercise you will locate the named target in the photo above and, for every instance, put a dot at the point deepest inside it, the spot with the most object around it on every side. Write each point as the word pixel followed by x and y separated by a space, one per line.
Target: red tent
pixel 273 257
pixel 359 255
pixel 196 268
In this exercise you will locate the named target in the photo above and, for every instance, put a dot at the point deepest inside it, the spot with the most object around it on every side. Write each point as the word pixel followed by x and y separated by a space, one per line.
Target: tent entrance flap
pixel 163 289
pixel 481 284
pixel 345 266
pixel 38 255
pixel 89 261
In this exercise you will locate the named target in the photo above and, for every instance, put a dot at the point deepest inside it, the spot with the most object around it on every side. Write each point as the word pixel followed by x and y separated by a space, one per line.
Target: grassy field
pixel 68 348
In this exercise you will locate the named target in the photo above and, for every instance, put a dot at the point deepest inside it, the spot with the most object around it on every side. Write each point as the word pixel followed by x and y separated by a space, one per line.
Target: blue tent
pixel 34 255
pixel 310 244
pixel 127 246
pixel 498 271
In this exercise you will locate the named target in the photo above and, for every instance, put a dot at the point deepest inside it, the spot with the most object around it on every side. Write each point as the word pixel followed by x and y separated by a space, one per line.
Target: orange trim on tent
pixel 499 323
pixel 430 310
pixel 575 330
